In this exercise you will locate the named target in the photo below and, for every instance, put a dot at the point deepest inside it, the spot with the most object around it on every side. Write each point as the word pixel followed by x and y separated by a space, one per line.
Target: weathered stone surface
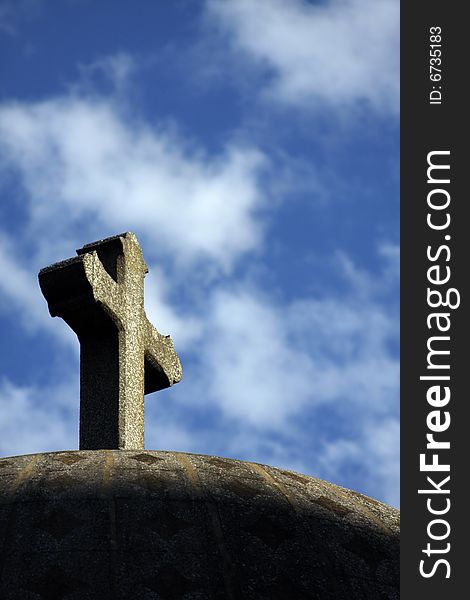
pixel 100 294
pixel 154 525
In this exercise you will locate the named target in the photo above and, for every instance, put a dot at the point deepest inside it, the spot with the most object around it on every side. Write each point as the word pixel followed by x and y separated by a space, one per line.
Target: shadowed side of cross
pixel 100 295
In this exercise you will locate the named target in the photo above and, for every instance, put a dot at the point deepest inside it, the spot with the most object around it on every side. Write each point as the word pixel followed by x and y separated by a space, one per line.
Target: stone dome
pixel 148 525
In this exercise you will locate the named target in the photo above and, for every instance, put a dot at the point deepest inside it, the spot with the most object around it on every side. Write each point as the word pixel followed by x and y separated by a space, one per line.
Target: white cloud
pixel 332 53
pixel 86 166
pixel 185 325
pixel 35 419
pixel 254 373
pixel 17 285
pixel 374 450
pixel 21 298
pixel 300 355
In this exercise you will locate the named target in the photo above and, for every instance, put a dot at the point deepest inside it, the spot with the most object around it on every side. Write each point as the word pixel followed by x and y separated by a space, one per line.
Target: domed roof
pixel 166 525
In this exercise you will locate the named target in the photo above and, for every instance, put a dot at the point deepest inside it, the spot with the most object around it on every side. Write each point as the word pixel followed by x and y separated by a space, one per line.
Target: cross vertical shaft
pixel 100 294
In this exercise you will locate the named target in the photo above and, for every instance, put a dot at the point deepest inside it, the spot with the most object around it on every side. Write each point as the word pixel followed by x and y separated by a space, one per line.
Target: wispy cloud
pixel 83 164
pixel 295 356
pixel 11 11
pixel 371 453
pixel 116 70
pixel 330 53
pixel 19 288
pixel 37 418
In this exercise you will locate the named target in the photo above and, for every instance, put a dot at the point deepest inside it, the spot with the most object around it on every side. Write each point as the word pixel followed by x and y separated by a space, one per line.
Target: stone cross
pixel 100 294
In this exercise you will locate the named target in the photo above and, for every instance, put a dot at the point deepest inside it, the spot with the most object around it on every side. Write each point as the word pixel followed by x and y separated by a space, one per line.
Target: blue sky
pixel 252 146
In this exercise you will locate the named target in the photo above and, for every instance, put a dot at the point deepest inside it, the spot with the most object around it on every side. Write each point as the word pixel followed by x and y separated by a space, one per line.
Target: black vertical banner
pixel 435 301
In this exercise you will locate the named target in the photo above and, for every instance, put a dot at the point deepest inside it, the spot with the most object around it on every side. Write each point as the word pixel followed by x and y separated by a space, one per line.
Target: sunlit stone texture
pixel 100 294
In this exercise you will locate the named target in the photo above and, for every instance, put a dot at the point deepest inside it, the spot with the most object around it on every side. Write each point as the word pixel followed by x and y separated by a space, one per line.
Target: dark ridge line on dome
pixel 275 484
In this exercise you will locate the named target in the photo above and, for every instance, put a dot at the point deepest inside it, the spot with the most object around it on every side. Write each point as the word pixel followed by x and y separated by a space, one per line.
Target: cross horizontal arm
pixel 73 286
